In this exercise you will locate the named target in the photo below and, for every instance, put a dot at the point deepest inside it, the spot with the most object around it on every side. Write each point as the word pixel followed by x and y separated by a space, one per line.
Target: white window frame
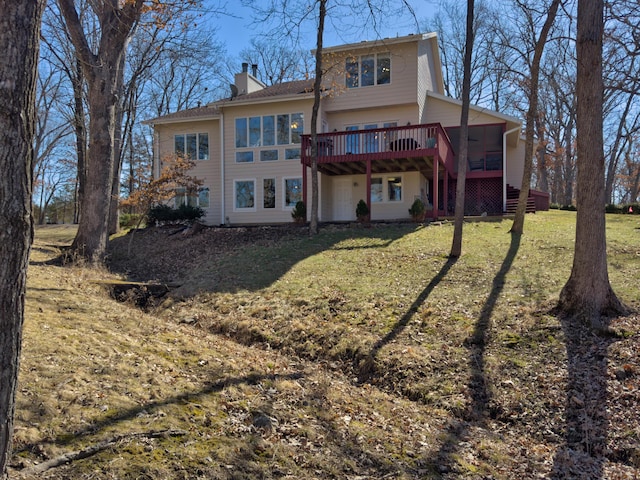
pixel 385 188
pixel 184 140
pixel 284 192
pixel 358 61
pixel 235 195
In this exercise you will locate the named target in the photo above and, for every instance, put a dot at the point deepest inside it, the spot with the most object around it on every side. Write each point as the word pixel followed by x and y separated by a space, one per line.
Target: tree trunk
pixel 456 246
pixel 532 114
pixel 588 294
pixel 317 94
pixel 92 236
pixel 81 136
pixel 114 217
pixel 19 42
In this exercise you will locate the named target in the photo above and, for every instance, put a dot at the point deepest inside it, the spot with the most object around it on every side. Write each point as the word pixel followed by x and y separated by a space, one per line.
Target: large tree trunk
pixel 588 294
pixel 456 245
pixel 19 42
pixel 92 236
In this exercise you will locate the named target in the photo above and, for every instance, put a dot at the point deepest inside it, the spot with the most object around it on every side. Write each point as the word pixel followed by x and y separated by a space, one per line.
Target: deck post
pixel 368 191
pixel 445 192
pixel 435 188
pixel 304 185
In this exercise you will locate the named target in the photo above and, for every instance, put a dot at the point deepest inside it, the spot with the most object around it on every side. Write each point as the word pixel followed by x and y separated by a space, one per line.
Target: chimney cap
pixel 245 67
pixel 254 69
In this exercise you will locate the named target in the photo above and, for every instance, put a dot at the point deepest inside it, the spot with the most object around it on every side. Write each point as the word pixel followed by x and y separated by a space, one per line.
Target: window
pixel 353 140
pixel 194 145
pixel 292 191
pixel 269 130
pixel 254 131
pixel 203 197
pixel 391 193
pixel 244 157
pixel 292 154
pixel 376 190
pixel 371 139
pixel 192 199
pixel 244 194
pixel 269 193
pixel 268 155
pixel 368 70
pixel 394 189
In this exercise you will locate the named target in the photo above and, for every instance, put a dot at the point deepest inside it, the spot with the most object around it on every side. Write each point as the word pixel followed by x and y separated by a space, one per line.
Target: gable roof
pixel 282 91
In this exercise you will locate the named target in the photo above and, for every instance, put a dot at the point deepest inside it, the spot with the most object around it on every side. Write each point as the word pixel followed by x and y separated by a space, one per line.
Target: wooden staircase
pixel 512 201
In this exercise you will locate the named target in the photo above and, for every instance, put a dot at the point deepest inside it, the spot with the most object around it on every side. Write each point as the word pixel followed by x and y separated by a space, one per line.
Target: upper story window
pixel 194 145
pixel 269 130
pixel 367 70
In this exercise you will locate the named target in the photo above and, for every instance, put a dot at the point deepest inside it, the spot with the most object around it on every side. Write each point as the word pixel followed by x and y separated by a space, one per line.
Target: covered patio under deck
pixel 423 148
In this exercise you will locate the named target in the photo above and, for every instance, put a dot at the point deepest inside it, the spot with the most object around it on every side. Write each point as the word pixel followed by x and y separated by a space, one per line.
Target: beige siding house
pixel 388 136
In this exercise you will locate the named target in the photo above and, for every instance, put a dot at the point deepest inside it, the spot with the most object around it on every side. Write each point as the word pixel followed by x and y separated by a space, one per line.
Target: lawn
pixel 359 353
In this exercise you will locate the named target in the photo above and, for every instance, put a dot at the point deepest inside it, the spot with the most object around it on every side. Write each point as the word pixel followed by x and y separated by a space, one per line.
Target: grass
pixel 359 353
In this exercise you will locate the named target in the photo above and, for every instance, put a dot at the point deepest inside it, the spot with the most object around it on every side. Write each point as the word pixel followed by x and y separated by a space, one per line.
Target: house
pixel 388 135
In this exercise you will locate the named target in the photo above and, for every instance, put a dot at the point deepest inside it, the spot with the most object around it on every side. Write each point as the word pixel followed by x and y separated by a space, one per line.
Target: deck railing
pixel 380 144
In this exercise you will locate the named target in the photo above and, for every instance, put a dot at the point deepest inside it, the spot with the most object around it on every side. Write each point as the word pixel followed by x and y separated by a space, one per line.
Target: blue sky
pixel 236 31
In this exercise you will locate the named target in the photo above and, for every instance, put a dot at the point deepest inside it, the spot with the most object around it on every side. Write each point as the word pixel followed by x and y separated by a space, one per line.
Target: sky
pixel 236 29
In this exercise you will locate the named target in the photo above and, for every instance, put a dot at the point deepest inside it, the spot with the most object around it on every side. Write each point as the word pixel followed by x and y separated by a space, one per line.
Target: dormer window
pixel 368 70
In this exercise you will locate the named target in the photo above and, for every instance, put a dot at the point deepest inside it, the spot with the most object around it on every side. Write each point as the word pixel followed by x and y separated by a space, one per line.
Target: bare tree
pixel 538 45
pixel 279 62
pixel 456 245
pixel 19 43
pixel 588 294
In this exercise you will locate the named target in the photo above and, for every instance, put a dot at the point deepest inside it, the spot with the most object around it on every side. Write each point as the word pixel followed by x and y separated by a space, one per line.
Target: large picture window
pixel 244 194
pixel 269 130
pixel 193 145
pixel 199 198
pixel 368 70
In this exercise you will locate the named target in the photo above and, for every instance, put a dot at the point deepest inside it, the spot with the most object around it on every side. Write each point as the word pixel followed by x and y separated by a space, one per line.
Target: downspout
pixel 504 166
pixel 223 220
pixel 156 154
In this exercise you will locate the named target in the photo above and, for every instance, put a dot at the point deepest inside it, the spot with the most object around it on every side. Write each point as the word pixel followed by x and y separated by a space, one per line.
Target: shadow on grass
pixel 367 369
pixel 131 413
pixel 479 408
pixel 234 259
pixel 586 419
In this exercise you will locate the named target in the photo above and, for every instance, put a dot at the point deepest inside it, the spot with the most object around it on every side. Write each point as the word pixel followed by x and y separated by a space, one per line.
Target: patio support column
pixel 445 192
pixel 368 191
pixel 304 185
pixel 435 188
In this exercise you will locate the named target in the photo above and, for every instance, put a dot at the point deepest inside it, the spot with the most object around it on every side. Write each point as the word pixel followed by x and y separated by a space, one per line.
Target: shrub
pixel 129 220
pixel 612 208
pixel 417 210
pixel 299 212
pixel 164 213
pixel 362 211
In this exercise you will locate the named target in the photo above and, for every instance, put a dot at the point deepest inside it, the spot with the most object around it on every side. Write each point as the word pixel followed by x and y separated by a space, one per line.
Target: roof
pixel 296 87
pixel 212 110
pixel 383 41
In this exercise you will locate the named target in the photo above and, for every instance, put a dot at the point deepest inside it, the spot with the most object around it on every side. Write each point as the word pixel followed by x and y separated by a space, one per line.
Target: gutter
pixel 222 179
pixel 504 166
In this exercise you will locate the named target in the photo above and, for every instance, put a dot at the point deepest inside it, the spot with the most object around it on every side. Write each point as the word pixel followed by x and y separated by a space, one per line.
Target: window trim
pixel 385 189
pixel 235 195
pixel 284 192
pixel 198 143
pixel 354 72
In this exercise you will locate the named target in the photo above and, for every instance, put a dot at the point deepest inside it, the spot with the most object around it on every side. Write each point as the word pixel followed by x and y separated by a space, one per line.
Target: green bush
pixel 299 212
pixel 362 211
pixel 166 214
pixel 417 210
pixel 128 220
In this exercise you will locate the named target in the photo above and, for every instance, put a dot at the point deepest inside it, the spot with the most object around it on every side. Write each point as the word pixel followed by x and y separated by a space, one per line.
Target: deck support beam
pixel 435 189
